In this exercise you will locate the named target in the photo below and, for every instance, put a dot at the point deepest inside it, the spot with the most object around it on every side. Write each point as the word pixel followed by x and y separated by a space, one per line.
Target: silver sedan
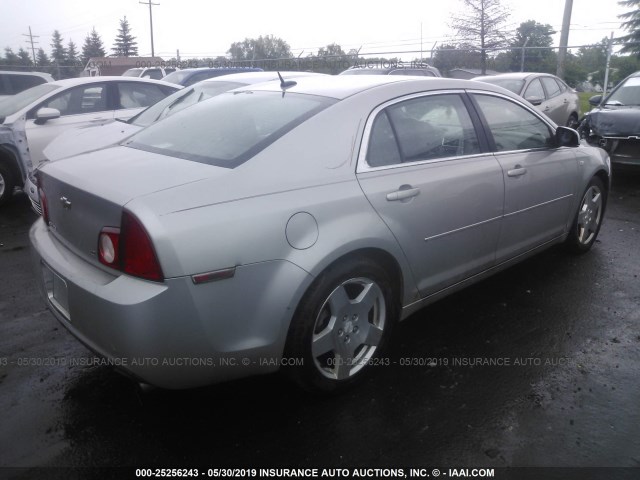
pixel 551 95
pixel 289 225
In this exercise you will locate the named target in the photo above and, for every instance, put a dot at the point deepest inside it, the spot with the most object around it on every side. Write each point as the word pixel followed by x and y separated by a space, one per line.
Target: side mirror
pixel 595 100
pixel 567 137
pixel 534 100
pixel 45 114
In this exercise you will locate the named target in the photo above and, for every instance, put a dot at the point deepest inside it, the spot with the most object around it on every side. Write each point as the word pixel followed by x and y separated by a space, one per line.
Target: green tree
pixel 482 27
pixel 125 43
pixel 72 60
pixel 10 59
pixel 448 57
pixel 261 48
pixel 631 23
pixel 92 47
pixel 594 61
pixel 533 34
pixel 42 61
pixel 332 58
pixel 58 54
pixel 25 58
pixel 622 66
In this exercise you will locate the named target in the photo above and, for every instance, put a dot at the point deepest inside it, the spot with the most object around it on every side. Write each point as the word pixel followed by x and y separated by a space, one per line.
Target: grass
pixel 584 101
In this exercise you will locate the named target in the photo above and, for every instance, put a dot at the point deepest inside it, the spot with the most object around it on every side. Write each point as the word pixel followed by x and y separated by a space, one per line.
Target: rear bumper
pixel 173 334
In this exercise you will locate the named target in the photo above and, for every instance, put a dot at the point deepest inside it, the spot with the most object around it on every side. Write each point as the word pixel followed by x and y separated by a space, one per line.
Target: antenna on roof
pixel 284 84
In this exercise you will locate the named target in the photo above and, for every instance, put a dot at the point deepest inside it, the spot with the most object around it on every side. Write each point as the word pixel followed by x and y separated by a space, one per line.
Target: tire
pixel 588 219
pixel 572 121
pixel 341 325
pixel 7 184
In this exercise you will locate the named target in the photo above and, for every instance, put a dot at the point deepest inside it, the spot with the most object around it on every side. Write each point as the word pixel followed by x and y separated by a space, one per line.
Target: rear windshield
pixel 229 129
pixel 181 99
pixel 512 84
pixel 10 105
pixel 132 72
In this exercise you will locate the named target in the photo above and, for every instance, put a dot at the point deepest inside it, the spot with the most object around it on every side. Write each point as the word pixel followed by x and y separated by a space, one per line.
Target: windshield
pixel 180 100
pixel 15 103
pixel 132 72
pixel 512 84
pixel 626 94
pixel 229 129
pixel 177 77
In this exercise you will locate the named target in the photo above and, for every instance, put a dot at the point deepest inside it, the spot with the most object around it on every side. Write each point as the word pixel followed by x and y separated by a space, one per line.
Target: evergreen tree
pixel 25 58
pixel 72 61
pixel 125 44
pixel 10 59
pixel 92 47
pixel 42 60
pixel 632 25
pixel 58 54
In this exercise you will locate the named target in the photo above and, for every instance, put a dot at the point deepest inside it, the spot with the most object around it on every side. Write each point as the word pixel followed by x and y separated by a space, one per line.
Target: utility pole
pixel 151 4
pixel 33 50
pixel 606 72
pixel 564 37
pixel 523 50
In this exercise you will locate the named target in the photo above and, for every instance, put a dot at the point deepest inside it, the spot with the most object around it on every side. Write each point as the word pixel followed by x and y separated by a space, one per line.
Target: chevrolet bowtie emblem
pixel 65 203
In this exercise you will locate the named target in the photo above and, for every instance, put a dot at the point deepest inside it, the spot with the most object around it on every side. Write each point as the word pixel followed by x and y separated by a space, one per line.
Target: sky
pixel 206 28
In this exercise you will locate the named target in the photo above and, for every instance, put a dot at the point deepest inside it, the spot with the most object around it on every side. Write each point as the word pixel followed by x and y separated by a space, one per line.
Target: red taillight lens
pixel 137 255
pixel 129 249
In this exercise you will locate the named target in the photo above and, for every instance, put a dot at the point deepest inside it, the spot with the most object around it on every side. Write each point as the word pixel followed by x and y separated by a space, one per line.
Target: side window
pixel 551 87
pixel 84 99
pixel 136 95
pixel 512 126
pixel 563 86
pixel 534 90
pixel 434 126
pixel 22 82
pixel 5 88
pixel 383 148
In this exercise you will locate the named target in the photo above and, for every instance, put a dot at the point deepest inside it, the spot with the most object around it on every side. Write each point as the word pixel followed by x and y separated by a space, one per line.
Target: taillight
pixel 129 249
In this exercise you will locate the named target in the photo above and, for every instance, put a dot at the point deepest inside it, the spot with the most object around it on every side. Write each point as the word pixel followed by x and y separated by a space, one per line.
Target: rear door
pixel 539 178
pixel 425 169
pixel 554 106
pixel 79 106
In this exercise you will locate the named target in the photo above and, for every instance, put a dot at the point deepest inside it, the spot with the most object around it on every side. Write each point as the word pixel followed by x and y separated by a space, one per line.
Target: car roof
pixel 72 82
pixel 515 75
pixel 256 77
pixel 46 76
pixel 343 86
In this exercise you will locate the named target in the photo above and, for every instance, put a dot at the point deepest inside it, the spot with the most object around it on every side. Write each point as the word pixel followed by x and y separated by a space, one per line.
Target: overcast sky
pixel 200 28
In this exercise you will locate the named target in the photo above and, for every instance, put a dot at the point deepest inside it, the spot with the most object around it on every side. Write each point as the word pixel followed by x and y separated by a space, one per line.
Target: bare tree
pixel 482 26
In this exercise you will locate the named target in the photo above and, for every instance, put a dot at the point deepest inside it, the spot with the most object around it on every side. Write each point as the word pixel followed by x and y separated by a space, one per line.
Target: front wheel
pixel 340 326
pixel 588 219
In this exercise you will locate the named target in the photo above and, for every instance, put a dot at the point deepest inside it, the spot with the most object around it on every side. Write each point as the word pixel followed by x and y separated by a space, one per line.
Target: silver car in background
pixel 291 224
pixel 547 92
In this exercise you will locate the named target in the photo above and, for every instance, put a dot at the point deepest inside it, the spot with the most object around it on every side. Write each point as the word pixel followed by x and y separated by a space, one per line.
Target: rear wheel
pixel 588 219
pixel 341 325
pixel 7 183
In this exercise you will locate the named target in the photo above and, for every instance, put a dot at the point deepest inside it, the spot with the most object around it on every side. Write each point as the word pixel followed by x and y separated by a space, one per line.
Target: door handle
pixel 517 171
pixel 402 194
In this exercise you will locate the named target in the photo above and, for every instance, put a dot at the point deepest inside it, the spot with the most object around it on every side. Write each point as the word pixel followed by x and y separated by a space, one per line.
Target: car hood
pixel 615 121
pixel 88 139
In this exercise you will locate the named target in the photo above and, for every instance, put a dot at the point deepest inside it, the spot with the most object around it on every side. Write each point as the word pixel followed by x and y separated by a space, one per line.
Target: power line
pixel 31 36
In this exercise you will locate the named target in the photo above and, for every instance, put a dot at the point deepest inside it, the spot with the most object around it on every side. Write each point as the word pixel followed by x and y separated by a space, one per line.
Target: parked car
pixel 615 122
pixel 16 82
pixel 420 70
pixel 155 73
pixel 32 118
pixel 547 92
pixel 90 137
pixel 189 76
pixel 293 223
